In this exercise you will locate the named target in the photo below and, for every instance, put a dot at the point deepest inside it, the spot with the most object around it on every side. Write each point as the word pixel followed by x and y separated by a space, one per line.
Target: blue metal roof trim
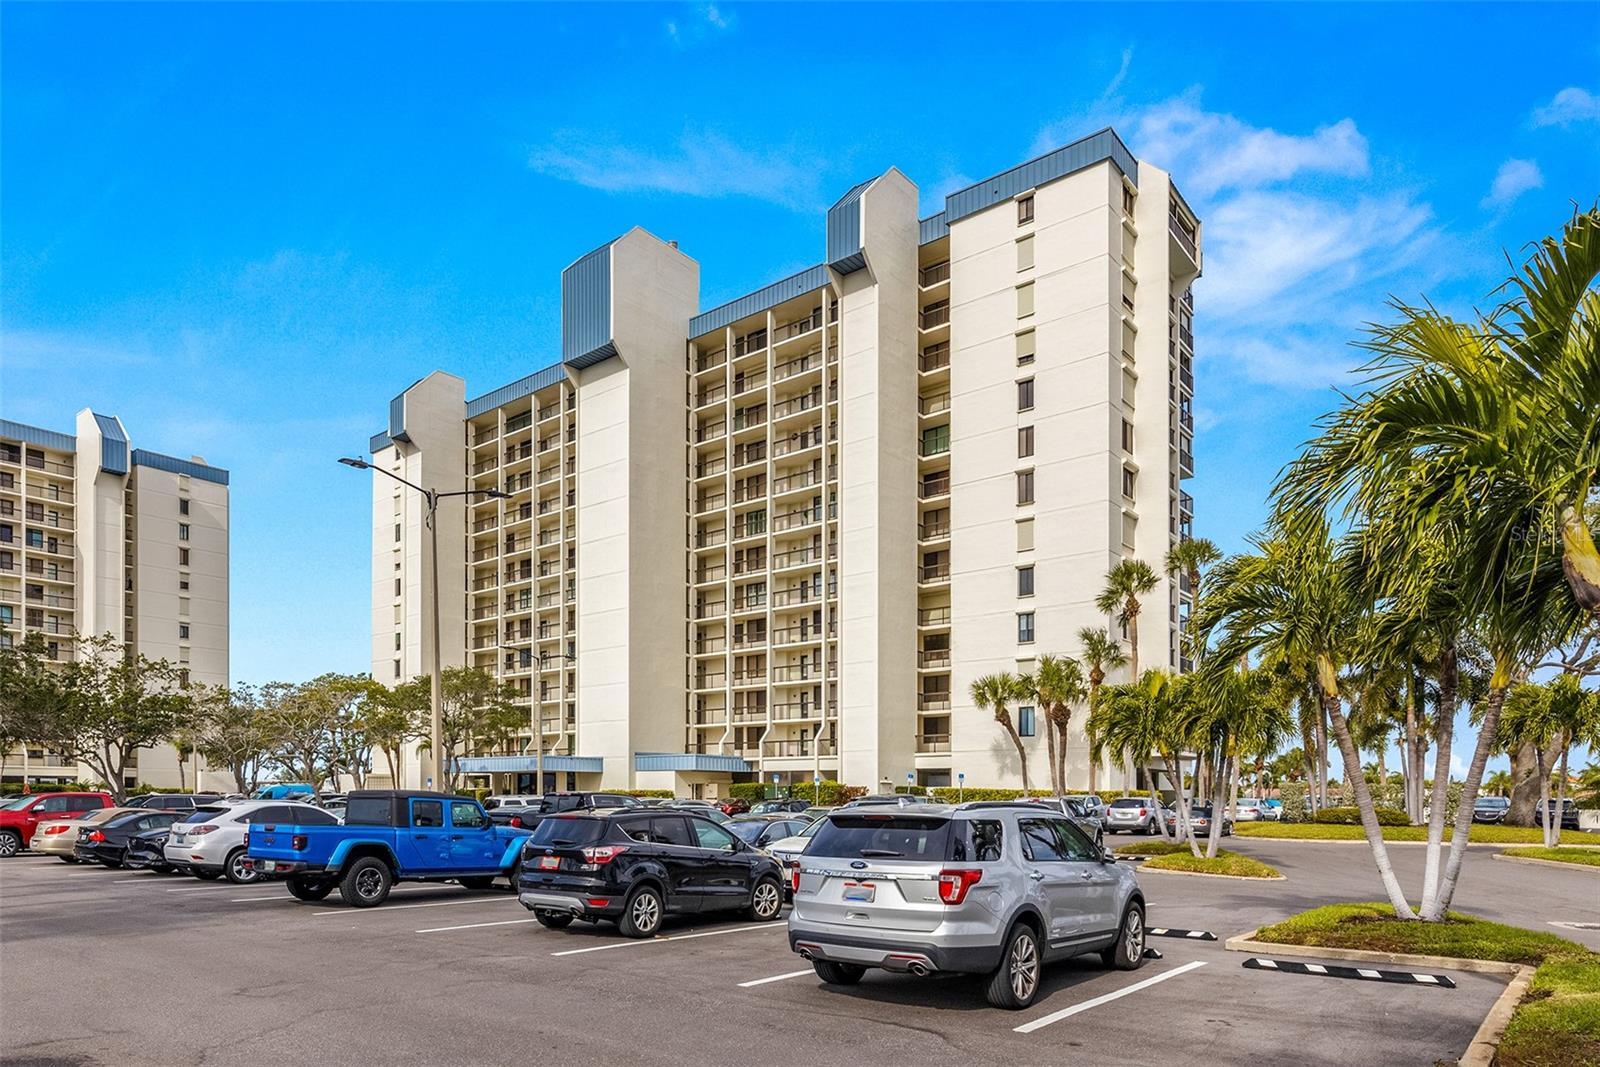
pixel 515 764
pixel 397 418
pixel 689 761
pixel 767 297
pixel 379 441
pixel 174 465
pixel 35 435
pixel 932 228
pixel 113 444
pixel 586 309
pixel 1098 147
pixel 539 379
pixel 844 231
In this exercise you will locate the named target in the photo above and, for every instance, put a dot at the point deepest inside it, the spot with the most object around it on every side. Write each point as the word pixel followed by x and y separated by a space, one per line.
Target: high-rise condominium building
pixel 781 537
pixel 99 537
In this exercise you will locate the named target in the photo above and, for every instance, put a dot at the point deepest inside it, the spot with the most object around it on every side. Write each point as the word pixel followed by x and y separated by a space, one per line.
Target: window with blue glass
pixel 1025 721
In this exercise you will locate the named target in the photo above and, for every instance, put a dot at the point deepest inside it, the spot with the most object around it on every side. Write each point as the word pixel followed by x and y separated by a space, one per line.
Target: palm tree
pixel 1498 784
pixel 1143 717
pixel 994 692
pixel 184 747
pixel 1102 654
pixel 1188 558
pixel 1129 580
pixel 1058 686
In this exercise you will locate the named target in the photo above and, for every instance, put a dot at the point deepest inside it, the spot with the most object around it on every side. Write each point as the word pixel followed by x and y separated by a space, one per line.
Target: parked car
pixel 1248 809
pixel 1272 809
pixel 18 822
pixel 1199 820
pixel 527 816
pixel 991 889
pixel 787 852
pixel 147 851
pixel 1568 820
pixel 1133 815
pixel 1491 809
pixel 816 812
pixel 703 808
pixel 210 842
pixel 283 791
pixel 106 842
pixel 886 800
pixel 174 801
pixel 510 800
pixel 388 836
pixel 58 837
pixel 763 832
pixel 732 805
pixel 1080 811
pixel 635 868
pixel 780 807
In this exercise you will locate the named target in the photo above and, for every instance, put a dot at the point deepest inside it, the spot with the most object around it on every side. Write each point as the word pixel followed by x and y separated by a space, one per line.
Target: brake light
pixel 516 820
pixel 603 853
pixel 247 840
pixel 298 842
pixel 794 879
pixel 97 836
pixel 953 884
pixel 1142 813
pixel 196 831
pixel 48 830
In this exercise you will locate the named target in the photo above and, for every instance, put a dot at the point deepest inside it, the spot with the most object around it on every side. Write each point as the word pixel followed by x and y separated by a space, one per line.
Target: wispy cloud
pixel 700 23
pixel 700 164
pixel 1515 177
pixel 1571 105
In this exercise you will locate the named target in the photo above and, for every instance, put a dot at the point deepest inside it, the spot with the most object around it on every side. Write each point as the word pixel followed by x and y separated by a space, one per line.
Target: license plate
pixel 269 865
pixel 862 892
pixel 549 863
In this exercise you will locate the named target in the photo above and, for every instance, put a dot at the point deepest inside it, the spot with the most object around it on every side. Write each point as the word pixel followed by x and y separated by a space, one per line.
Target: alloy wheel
pixel 1024 967
pixel 369 883
pixel 768 901
pixel 646 911
pixel 8 845
pixel 1133 934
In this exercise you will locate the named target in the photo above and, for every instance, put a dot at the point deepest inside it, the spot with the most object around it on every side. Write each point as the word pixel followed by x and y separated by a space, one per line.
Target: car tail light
pixel 247 840
pixel 196 831
pixel 603 853
pixel 794 879
pixel 97 836
pixel 516 820
pixel 1142 813
pixel 953 884
pixel 597 902
pixel 298 842
pixel 57 829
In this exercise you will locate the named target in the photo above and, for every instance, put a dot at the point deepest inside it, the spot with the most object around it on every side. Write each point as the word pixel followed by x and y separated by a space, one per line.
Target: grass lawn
pixel 1155 847
pixel 1225 862
pixel 1558 1022
pixel 1582 857
pixel 1484 832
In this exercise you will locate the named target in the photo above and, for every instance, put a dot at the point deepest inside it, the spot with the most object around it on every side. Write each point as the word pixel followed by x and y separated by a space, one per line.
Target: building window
pixel 1024 487
pixel 397 668
pixel 397 587
pixel 183 679
pixel 183 505
pixel 1024 442
pixel 183 583
pixel 1127 200
pixel 1025 721
pixel 1024 300
pixel 183 631
pixel 1024 627
pixel 1025 253
pixel 1127 436
pixel 183 531
pixel 1024 209
pixel 1024 535
pixel 1129 482
pixel 397 531
pixel 1025 348
pixel 1025 395
pixel 183 557
pixel 1025 581
pixel 397 642
pixel 935 440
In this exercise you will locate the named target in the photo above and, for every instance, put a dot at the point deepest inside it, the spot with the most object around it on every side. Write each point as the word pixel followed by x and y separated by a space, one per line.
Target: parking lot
pixel 114 967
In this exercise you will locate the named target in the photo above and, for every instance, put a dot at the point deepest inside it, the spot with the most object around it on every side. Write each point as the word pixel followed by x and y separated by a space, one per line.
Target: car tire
pixel 838 973
pixel 236 871
pixel 309 892
pixel 208 876
pixel 477 881
pixel 641 914
pixel 111 865
pixel 553 920
pixel 1128 953
pixel 766 901
pixel 1015 983
pixel 366 883
pixel 67 859
pixel 10 843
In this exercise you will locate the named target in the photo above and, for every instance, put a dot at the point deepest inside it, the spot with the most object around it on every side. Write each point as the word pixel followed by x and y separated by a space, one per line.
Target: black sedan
pixel 107 843
pixel 147 851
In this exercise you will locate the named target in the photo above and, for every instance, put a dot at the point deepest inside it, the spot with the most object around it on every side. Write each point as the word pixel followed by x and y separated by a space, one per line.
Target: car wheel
pixel 10 843
pixel 1015 983
pixel 67 859
pixel 838 973
pixel 1128 953
pixel 766 901
pixel 366 883
pixel 301 889
pixel 477 882
pixel 208 876
pixel 236 871
pixel 553 920
pixel 641 915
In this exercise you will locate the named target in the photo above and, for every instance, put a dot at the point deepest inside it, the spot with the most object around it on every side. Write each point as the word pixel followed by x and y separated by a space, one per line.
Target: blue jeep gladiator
pixel 388 836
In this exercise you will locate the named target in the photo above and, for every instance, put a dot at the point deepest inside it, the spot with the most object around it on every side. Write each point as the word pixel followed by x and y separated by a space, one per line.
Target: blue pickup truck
pixel 388 836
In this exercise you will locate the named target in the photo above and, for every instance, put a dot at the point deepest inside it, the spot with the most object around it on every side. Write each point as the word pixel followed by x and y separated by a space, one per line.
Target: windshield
pixel 566 832
pixel 1493 802
pixel 14 802
pixel 746 831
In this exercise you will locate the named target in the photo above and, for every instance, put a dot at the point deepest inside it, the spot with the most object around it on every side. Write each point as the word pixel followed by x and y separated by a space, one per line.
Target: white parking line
pixel 670 937
pixel 1067 1013
pixel 430 904
pixel 199 889
pixel 475 926
pixel 253 900
pixel 777 978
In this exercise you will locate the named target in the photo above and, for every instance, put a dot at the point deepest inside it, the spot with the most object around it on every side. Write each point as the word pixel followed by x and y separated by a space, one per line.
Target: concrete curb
pixel 1547 863
pixel 1486 1042
pixel 1202 874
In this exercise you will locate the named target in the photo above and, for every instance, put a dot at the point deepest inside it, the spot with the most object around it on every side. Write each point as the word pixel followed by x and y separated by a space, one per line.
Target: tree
pixel 1058 686
pixel 1102 654
pixel 1550 718
pixel 993 692
pixel 183 745
pixel 1497 784
pixel 473 705
pixel 1189 558
pixel 32 694
pixel 1145 717
pixel 1129 580
pixel 395 718
pixel 231 729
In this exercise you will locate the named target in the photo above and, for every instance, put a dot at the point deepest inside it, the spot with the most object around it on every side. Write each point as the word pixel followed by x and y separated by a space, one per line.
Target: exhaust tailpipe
pixel 918 968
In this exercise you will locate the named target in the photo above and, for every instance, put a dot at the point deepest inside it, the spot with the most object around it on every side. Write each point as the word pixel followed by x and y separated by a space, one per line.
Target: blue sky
pixel 244 228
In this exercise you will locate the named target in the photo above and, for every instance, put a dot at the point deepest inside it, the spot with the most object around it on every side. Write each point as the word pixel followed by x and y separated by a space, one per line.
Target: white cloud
pixel 703 165
pixel 1569 106
pixel 1515 177
pixel 704 21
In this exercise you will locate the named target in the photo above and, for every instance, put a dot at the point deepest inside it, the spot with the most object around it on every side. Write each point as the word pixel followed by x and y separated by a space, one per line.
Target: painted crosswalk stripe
pixel 1366 974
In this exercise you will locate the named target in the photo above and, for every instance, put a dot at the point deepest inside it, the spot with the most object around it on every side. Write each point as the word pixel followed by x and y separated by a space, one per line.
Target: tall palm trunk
pixel 1363 797
pixel 1050 754
pixel 1016 742
pixel 181 779
pixel 1444 735
pixel 1155 802
pixel 1561 795
pixel 1434 910
pixel 1219 778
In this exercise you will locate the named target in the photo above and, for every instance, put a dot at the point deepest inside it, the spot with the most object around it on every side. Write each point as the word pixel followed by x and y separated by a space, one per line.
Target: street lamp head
pixel 497 494
pixel 358 464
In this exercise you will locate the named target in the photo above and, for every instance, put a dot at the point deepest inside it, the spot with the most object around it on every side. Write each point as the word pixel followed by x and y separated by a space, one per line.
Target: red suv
pixel 20 815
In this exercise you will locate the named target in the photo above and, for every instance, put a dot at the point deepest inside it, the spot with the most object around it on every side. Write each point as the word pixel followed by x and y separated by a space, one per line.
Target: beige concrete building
pixel 780 537
pixel 99 537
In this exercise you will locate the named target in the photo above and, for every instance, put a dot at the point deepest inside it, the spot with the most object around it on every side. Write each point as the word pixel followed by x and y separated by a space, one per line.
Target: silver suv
pixel 985 888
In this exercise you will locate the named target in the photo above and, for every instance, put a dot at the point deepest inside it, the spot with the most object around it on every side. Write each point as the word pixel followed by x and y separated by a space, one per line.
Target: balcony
pixel 713 395
pixel 936 446
pixel 711 538
pixel 804 746
pixel 485 466
pixel 933 616
pixel 750 676
pixel 50 492
pixel 933 701
pixel 795 405
pixel 792 482
pixel 483 437
pixel 934 531
pixel 803 634
pixel 933 743
pixel 803 672
pixel 789 520
pixel 933 405
pixel 934 358
pixel 801 709
pixel 711 609
pixel 749 382
pixel 711 431
pixel 934 315
pixel 711 467
pixel 750 343
pixel 708 680
pixel 549 411
pixel 710 502
pixel 934 486
pixel 710 360
pixel 934 574
pixel 934 658
pixel 934 274
pixel 753 639
pixel 1183 233
pixel 810 361
pixel 797 442
pixel 1186 505
pixel 793 329
pixel 713 573
pixel 706 646
pixel 1185 463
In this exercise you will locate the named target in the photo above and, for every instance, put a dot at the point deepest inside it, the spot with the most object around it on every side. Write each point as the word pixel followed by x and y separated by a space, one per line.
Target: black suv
pixel 635 867
pixel 173 801
pixel 529 815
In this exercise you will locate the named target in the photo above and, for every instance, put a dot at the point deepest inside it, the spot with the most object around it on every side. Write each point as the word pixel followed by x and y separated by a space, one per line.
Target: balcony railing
pixel 933 531
pixel 1182 231
pixel 936 314
pixel 801 480
pixel 710 360
pixel 750 342
pixel 933 405
pixel 803 672
pixel 934 572
pixel 708 680
pixel 710 502
pixel 933 616
pixel 793 367
pixel 50 492
pixel 483 437
pixel 797 327
pixel 711 574
pixel 710 538
pixel 710 396
pixel 795 405
pixel 937 446
pixel 934 657
pixel 749 382
pixel 797 442
pixel 933 743
pixel 710 467
pixel 802 747
pixel 934 274
pixel 934 357
pixel 933 701
pixel 710 431
pixel 711 609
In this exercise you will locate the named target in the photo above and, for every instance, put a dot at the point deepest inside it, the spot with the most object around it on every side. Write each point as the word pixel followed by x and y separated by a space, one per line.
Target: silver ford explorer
pixel 987 888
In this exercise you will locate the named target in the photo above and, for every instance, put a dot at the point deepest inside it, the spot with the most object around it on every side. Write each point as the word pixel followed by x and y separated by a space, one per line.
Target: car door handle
pixel 1037 876
pixel 457 837
pixel 1086 875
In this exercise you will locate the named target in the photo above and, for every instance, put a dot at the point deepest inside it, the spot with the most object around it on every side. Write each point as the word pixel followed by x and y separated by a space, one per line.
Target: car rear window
pixel 367 811
pixel 1130 802
pixel 912 837
pixel 561 803
pixel 202 814
pixel 564 832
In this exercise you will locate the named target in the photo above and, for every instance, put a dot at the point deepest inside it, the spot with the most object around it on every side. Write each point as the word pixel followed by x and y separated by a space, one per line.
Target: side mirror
pixel 1107 856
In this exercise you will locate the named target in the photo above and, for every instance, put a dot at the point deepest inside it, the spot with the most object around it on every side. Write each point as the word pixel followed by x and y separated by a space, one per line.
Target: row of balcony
pixel 770 749
pixel 37 568
pixel 38 463
pixel 51 493
pixel 783 673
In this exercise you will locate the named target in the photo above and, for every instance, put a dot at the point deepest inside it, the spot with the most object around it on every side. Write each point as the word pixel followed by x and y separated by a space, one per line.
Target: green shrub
pixel 11 789
pixel 749 792
pixel 1293 795
pixel 832 793
pixel 1352 817
pixel 665 793
pixel 911 790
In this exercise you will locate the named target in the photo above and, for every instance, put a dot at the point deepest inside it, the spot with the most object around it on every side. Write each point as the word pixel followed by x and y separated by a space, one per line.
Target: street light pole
pixel 431 498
